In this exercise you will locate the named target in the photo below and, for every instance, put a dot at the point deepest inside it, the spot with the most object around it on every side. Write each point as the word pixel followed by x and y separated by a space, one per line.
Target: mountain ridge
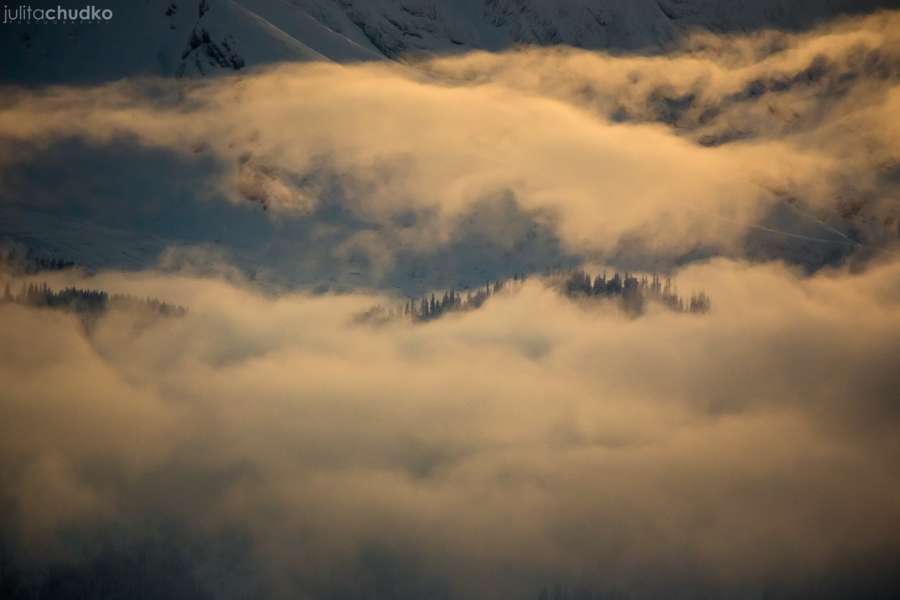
pixel 186 38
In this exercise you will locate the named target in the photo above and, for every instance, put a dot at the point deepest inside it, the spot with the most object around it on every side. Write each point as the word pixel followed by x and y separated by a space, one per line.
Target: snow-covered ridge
pixel 169 38
pixel 200 37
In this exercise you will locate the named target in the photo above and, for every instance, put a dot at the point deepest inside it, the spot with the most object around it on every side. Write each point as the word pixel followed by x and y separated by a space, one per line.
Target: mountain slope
pixel 176 38
pixel 397 27
pixel 200 37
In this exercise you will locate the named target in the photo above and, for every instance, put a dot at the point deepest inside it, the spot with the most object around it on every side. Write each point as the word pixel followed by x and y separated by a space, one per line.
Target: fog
pixel 794 135
pixel 270 444
pixel 486 453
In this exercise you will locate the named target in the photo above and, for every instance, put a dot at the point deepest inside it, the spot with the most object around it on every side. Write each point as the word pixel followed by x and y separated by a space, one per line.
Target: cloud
pixel 399 144
pixel 498 452
pixel 752 447
pixel 663 155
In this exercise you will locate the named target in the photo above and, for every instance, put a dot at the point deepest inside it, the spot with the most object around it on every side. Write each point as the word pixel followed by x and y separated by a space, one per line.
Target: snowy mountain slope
pixel 293 20
pixel 200 37
pixel 168 38
pixel 398 27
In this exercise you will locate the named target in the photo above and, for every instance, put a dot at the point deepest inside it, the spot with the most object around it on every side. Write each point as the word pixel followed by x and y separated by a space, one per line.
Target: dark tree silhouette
pixel 88 304
pixel 632 293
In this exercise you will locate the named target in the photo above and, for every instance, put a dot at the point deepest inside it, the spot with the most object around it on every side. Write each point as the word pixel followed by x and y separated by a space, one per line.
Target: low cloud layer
pixel 486 454
pixel 791 135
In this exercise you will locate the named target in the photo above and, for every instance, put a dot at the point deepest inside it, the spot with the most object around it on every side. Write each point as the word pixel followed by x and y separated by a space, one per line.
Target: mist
pixel 487 453
pixel 268 442
pixel 783 146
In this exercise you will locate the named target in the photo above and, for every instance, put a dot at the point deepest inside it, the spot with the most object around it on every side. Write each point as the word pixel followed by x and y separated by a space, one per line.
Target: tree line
pixel 87 302
pixel 633 294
